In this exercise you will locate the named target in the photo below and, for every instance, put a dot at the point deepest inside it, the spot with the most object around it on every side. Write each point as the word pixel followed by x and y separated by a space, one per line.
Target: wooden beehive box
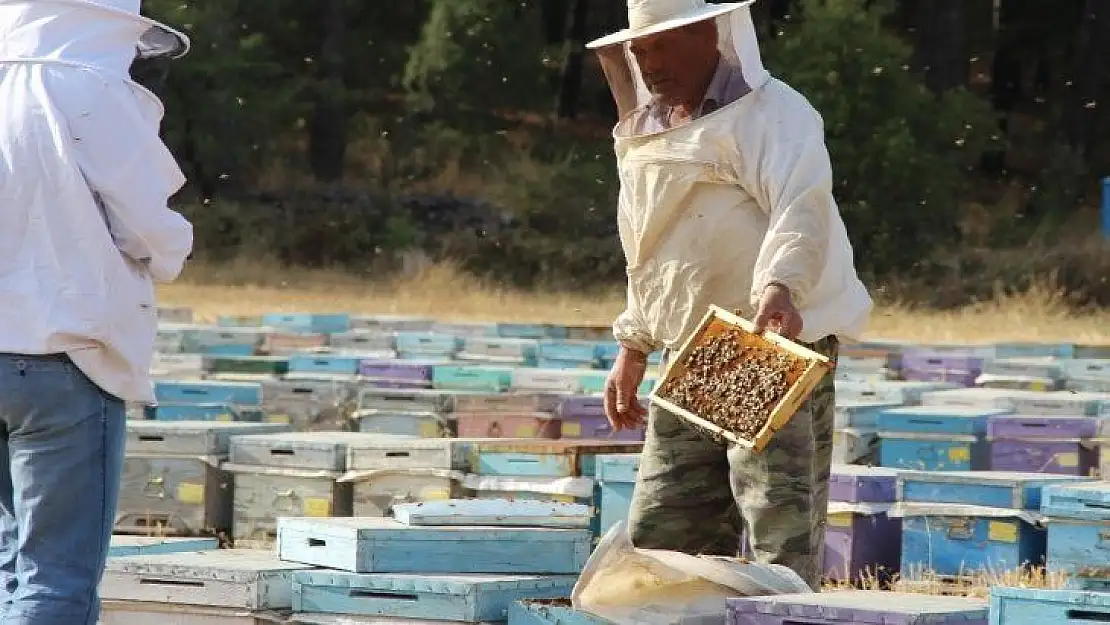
pixel 806 369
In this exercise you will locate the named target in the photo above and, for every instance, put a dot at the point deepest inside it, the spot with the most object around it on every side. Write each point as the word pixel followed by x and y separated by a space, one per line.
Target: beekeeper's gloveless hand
pixel 621 406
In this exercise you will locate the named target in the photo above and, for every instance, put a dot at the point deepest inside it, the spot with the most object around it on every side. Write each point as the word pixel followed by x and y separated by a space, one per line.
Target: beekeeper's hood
pixel 736 37
pixel 104 34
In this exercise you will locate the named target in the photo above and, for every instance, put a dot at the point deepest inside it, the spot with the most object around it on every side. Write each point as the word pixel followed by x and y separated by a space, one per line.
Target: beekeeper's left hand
pixel 777 313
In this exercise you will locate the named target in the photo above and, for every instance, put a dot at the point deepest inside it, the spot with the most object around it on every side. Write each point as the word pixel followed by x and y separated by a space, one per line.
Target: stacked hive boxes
pixel 123 545
pixel 543 470
pixel 934 438
pixel 1048 433
pixel 1031 606
pixel 410 412
pixel 197 400
pixel 960 365
pixel 529 414
pixel 1078 518
pixel 297 473
pixel 857 607
pixel 958 523
pixel 386 471
pixel 616 477
pixel 861 541
pixel 221 587
pixel 856 439
pixel 174 480
pixel 449 561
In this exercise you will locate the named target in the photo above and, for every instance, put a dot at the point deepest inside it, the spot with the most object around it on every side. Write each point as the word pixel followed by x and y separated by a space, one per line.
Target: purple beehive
pixel 860 539
pixel 853 483
pixel 582 406
pixel 859 607
pixel 1042 444
pixel 593 427
pixel 396 373
pixel 926 365
pixel 584 418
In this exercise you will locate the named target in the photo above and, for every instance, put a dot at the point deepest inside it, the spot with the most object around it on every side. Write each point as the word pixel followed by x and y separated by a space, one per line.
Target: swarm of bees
pixel 731 384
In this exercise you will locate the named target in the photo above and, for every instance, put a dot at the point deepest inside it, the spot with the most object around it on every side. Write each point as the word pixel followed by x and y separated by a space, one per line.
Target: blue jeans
pixel 60 462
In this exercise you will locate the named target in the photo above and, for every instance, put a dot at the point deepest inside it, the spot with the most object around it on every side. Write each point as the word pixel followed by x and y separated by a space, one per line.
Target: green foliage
pixel 230 99
pixel 902 157
pixel 318 228
pixel 483 54
pixel 450 145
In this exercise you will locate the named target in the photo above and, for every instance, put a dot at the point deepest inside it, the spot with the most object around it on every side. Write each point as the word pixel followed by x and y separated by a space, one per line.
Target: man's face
pixel 677 63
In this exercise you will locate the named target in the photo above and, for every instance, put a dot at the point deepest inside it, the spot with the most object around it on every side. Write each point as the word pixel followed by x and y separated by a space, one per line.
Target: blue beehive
pixel 324 363
pixel 616 477
pixel 993 489
pixel 309 323
pixel 493 513
pixel 1036 606
pixel 124 546
pixel 951 540
pixel 566 355
pixel 427 346
pixel 1034 350
pixel 1078 529
pixel 194 392
pixel 202 412
pixel 934 438
pixel 531 331
pixel 550 613
pixel 858 607
pixel 471 378
pixel 458 598
pixel 972 521
pixel 376 545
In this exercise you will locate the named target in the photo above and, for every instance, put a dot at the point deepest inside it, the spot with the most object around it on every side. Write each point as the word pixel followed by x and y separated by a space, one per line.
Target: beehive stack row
pixel 458 561
pixel 175 480
pixel 469 444
pixel 960 523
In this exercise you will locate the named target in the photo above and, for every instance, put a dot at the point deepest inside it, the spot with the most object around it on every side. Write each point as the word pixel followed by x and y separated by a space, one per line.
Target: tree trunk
pixel 1091 59
pixel 327 147
pixel 570 88
pixel 942 50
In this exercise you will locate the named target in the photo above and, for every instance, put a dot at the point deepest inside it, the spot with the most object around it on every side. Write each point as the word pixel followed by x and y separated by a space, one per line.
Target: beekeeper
pixel 84 229
pixel 726 199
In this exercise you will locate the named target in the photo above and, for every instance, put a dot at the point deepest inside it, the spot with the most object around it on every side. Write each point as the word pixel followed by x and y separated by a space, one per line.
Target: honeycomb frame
pixel 800 381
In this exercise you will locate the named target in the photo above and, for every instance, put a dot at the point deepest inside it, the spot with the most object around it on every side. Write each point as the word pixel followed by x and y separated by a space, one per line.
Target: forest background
pixel 968 137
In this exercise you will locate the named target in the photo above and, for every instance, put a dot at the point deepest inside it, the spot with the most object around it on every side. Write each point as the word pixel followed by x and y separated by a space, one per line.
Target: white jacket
pixel 713 211
pixel 84 185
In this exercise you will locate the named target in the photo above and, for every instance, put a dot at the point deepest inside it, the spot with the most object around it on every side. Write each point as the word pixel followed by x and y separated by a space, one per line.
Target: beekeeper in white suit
pixel 84 230
pixel 726 199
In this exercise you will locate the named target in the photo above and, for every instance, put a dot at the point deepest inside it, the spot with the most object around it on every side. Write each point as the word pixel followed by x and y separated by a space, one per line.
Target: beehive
pixel 738 385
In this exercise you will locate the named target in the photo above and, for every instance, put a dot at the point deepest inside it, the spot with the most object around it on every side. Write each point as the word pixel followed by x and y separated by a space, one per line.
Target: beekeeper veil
pixel 736 40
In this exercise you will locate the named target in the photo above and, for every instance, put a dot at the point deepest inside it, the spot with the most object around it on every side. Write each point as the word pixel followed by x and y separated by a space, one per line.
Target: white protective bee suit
pixel 84 185
pixel 714 210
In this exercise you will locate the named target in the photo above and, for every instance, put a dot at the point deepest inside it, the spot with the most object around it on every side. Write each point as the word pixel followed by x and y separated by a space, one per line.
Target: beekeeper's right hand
pixel 622 408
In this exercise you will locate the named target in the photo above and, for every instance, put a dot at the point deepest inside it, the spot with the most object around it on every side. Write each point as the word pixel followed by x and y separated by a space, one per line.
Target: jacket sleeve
pixel 793 184
pixel 113 129
pixel 630 330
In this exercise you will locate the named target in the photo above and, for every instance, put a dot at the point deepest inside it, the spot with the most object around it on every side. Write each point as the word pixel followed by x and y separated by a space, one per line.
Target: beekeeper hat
pixel 736 39
pixel 157 41
pixel 647 17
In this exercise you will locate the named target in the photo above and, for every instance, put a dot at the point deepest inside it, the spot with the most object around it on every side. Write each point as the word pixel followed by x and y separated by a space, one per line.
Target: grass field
pixel 446 294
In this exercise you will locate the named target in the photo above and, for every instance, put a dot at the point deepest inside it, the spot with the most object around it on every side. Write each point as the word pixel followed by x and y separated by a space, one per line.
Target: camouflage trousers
pixel 696 495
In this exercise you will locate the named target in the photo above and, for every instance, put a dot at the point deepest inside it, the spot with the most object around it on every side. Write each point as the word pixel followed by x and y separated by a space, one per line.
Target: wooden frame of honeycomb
pixel 726 352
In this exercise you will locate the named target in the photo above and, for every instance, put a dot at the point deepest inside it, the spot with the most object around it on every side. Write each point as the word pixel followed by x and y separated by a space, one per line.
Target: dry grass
pixel 249 288
pixel 968 585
